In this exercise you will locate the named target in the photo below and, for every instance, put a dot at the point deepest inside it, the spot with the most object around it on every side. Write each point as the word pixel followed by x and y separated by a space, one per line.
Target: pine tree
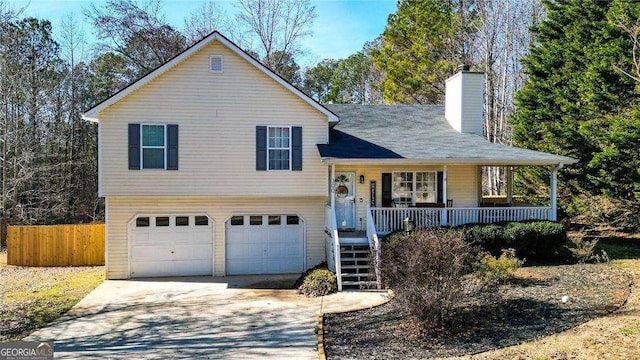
pixel 576 102
pixel 415 54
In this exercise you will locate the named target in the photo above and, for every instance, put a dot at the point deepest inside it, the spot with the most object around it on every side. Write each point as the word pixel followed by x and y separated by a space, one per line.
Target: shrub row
pixel 538 240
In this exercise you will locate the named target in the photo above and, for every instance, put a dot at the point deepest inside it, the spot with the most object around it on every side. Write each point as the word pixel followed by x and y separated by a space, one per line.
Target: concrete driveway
pixel 199 318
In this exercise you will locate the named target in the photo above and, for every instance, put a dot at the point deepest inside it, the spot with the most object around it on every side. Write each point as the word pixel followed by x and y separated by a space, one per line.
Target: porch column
pixel 509 184
pixel 443 213
pixel 332 188
pixel 553 216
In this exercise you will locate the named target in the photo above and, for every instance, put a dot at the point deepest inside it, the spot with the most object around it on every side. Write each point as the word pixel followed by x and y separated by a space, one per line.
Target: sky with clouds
pixel 341 28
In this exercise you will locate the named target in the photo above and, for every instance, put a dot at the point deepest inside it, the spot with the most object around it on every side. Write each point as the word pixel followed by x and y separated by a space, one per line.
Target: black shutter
pixel 296 148
pixel 440 186
pixel 172 147
pixel 134 146
pixel 261 148
pixel 386 190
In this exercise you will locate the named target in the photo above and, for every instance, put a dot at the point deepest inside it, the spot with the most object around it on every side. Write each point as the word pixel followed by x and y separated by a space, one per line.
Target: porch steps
pixel 356 273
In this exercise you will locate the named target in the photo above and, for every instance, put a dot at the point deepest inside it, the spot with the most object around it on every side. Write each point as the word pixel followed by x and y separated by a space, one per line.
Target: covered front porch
pixel 371 200
pixel 399 166
pixel 427 195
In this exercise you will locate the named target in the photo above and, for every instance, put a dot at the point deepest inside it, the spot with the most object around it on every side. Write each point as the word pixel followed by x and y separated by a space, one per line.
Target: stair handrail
pixel 336 247
pixel 374 243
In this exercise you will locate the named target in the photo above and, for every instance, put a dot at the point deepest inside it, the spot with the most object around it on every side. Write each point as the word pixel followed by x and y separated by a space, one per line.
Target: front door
pixel 345 200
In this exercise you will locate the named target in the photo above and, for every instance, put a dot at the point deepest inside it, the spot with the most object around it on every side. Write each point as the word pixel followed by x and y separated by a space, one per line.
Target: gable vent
pixel 215 63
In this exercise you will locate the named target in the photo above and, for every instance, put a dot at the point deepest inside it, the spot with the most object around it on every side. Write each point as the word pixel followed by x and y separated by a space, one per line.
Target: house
pixel 213 165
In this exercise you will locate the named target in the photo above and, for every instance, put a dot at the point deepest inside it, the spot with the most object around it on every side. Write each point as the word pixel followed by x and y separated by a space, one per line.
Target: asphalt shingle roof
pixel 420 133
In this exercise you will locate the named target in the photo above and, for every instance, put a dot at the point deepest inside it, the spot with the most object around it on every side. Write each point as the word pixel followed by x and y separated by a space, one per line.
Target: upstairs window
pixel 279 148
pixel 153 146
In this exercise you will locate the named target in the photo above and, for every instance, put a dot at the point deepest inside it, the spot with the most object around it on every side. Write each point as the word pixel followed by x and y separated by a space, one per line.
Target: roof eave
pixel 455 161
pixel 91 117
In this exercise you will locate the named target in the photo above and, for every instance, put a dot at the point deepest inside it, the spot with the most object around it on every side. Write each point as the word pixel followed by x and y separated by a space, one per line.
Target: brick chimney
pixel 464 101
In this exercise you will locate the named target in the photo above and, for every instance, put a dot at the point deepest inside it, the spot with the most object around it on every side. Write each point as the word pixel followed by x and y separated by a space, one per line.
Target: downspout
pixel 553 215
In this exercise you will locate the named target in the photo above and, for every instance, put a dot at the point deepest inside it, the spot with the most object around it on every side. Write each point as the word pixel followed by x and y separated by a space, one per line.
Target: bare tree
pixel 277 26
pixel 8 82
pixel 502 39
pixel 206 19
pixel 139 33
pixel 626 16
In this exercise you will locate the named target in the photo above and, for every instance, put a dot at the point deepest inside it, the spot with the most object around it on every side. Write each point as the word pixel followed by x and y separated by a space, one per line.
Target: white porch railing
pixel 374 244
pixel 391 219
pixel 461 216
pixel 331 228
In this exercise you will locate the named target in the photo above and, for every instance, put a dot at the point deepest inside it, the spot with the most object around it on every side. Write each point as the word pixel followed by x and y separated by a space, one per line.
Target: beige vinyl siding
pixel 461 185
pixel 217 116
pixel 121 210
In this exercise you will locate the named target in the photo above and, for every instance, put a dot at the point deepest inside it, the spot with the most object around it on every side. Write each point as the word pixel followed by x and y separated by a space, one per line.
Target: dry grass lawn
pixel 612 332
pixel 616 336
pixel 32 297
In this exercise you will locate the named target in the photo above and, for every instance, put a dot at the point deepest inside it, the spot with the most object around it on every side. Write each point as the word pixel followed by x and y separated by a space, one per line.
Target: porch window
pixel 426 187
pixel 279 148
pixel 410 188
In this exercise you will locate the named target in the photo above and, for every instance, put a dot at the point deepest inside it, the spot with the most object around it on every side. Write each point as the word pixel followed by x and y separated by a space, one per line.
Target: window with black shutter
pixel 153 146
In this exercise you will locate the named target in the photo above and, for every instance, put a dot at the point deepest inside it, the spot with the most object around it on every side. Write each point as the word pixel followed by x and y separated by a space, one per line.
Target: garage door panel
pixel 238 251
pixel 204 238
pixel 151 268
pixel 255 235
pixel 192 267
pixel 147 253
pixel 142 237
pixel 292 252
pixel 194 252
pixel 264 249
pixel 275 250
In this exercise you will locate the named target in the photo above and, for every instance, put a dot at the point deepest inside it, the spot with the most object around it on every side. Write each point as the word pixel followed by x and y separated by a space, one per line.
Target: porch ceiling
pixel 416 134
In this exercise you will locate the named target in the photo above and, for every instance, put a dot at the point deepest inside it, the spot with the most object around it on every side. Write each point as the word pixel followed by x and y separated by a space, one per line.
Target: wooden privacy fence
pixel 55 245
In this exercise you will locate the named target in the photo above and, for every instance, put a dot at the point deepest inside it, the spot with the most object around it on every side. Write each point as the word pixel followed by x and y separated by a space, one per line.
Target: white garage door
pixel 264 244
pixel 171 245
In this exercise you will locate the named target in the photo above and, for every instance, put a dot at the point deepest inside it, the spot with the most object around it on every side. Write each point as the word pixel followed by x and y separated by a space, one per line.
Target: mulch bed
pixel 527 308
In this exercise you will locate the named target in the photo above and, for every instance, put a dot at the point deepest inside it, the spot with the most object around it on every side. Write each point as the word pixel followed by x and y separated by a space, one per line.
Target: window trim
pixel 164 147
pixel 290 148
pixel 414 183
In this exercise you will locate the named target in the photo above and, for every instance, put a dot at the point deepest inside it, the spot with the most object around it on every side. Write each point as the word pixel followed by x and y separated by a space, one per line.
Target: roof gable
pixel 93 113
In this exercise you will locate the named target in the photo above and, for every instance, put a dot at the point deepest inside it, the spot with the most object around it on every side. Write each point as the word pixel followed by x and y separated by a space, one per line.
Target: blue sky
pixel 341 28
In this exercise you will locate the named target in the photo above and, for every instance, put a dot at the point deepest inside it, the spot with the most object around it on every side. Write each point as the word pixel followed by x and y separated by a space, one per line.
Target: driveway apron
pixel 198 318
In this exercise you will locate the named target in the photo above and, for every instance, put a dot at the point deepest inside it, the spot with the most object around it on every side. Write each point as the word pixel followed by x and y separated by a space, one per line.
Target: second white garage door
pixel 264 244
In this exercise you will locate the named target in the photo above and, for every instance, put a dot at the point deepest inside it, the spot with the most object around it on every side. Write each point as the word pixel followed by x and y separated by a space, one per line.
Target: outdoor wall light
pixel 361 179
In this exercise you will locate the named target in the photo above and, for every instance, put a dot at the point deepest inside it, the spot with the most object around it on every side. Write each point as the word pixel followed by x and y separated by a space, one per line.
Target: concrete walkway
pixel 197 317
